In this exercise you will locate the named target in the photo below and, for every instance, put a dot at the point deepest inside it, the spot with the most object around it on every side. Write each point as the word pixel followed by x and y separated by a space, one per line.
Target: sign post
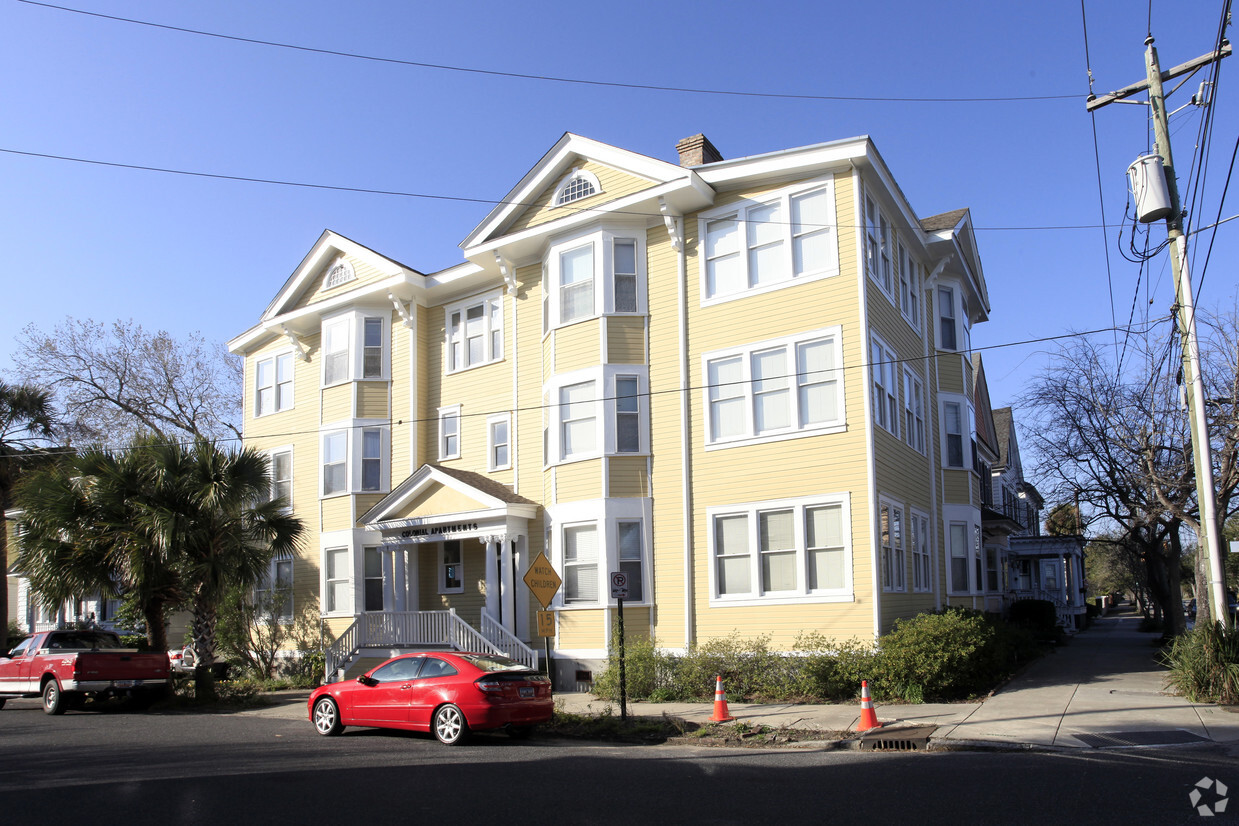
pixel 544 582
pixel 619 592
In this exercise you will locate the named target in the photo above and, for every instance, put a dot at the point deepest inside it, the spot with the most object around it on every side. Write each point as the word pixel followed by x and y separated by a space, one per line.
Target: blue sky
pixel 195 254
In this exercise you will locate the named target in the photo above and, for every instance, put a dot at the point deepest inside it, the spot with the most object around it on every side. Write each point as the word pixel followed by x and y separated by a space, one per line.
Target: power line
pixel 674 390
pixel 546 78
pixel 460 198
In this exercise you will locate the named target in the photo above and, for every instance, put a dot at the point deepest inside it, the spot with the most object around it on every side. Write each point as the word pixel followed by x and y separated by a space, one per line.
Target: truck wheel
pixel 327 718
pixel 53 697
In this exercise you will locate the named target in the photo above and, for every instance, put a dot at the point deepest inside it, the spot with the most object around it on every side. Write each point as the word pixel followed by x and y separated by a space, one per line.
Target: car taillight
pixel 490 686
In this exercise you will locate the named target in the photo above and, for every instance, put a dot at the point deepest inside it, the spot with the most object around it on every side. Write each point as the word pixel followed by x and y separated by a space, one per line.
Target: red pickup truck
pixel 65 667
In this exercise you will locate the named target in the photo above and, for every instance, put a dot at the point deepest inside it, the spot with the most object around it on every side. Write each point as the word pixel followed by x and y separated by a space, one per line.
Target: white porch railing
pixel 1062 609
pixel 508 642
pixel 391 629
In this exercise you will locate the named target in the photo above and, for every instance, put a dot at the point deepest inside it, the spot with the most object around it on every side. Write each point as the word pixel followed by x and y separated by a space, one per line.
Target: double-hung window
pixel 953 424
pixel 576 284
pixel 909 287
pixel 885 390
pixel 578 422
pixel 580 563
pixel 499 442
pixel 336 581
pixel 752 247
pixel 274 379
pixel 624 274
pixel 918 539
pixel 947 339
pixel 282 476
pixel 371 458
pixel 629 540
pixel 788 550
pixel 913 410
pixel 894 560
pixel 336 351
pixel 775 389
pixel 274 593
pixel 627 414
pixel 474 333
pixel 373 588
pixel 451 568
pixel 958 537
pixel 335 462
pixel 449 432
pixel 372 348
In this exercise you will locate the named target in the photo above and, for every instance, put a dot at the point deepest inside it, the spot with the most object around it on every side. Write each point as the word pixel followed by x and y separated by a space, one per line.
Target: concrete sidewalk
pixel 1102 689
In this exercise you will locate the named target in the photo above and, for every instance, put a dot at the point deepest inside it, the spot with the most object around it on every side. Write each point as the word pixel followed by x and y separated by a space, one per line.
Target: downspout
pixel 675 230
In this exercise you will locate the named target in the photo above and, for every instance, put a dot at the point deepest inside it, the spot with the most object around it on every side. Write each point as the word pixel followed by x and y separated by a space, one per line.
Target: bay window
pixel 953 425
pixel 578 434
pixel 627 415
pixel 338 597
pixel 594 273
pixel 580 546
pixel 354 459
pixel 947 339
pixel 335 463
pixel 355 346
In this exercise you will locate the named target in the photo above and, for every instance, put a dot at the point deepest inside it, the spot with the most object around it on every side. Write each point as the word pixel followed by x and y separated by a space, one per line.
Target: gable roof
pixel 489 494
pixel 943 220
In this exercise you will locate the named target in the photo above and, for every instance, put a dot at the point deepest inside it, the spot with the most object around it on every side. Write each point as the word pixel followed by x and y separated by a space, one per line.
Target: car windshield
pixel 493 662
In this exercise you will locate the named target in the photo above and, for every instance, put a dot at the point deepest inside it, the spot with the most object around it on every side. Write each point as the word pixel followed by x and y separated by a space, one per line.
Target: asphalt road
pixel 134 768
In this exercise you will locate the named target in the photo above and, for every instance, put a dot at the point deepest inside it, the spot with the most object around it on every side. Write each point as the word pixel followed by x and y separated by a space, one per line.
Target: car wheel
pixel 327 718
pixel 520 732
pixel 450 726
pixel 53 697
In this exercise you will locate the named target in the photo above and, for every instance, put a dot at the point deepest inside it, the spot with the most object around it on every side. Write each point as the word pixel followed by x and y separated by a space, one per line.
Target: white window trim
pixel 602 241
pixel 739 209
pixel 279 403
pixel 576 175
pixel 348 579
pixel 883 374
pixel 899 549
pixel 910 299
pixel 491 421
pixel 605 436
pixel 347 273
pixel 451 411
pixel 354 318
pixel 269 582
pixel 442 574
pixel 803 595
pixel 916 433
pixel 970 519
pixel 745 354
pixel 492 321
pixel 966 427
pixel 954 316
pixel 383 457
pixel 605 515
pixel 924 533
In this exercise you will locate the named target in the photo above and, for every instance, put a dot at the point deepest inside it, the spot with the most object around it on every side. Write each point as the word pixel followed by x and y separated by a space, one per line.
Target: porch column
pixel 520 564
pixel 387 560
pixel 400 587
pixel 507 585
pixel 492 579
pixel 411 577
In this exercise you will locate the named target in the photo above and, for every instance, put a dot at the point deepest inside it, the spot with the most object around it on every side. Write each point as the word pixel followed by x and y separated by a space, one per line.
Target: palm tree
pixel 26 423
pixel 214 513
pixel 86 529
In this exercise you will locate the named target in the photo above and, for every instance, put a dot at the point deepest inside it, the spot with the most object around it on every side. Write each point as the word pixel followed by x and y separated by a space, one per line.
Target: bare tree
pixel 114 382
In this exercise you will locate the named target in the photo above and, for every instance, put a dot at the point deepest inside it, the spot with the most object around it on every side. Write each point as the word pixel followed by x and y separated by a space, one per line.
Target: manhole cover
pixel 1119 739
pixel 907 738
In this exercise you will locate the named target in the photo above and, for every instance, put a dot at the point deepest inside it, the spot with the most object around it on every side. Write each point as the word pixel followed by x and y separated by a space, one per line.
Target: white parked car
pixel 184 661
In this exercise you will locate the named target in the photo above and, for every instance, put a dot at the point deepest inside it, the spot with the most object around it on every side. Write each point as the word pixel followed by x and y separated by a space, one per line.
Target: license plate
pixel 526 693
pixel 124 683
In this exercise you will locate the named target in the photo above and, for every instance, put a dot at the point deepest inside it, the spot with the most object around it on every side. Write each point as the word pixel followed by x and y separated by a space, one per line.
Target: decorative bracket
pixel 939 267
pixel 508 271
pixel 296 343
pixel 675 225
pixel 405 315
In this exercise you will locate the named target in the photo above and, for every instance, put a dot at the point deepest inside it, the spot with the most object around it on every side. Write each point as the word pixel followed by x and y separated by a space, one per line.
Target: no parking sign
pixel 619 585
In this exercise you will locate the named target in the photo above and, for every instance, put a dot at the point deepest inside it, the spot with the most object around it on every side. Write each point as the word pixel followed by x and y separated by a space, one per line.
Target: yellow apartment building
pixel 744 383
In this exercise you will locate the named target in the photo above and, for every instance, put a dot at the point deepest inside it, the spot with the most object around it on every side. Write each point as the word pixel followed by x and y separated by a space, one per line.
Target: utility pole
pixel 1201 453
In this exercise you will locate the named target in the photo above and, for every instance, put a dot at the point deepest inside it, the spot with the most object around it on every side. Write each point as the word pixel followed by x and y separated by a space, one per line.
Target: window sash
pixel 449 434
pixel 954 426
pixel 946 319
pixel 624 274
pixel 576 284
pixel 338 597
pixel 580 564
pixel 579 429
pixel 959 557
pixel 627 415
pixel 631 558
pixel 371 458
pixel 733 558
pixel 499 443
pixel 372 348
pixel 335 463
pixel 336 352
pixel 452 567
pixel 372 587
pixel 914 411
pixel 282 476
pixel 796 550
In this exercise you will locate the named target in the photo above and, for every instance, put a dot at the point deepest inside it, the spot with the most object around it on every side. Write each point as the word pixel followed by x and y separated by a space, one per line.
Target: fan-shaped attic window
pixel 340 273
pixel 580 184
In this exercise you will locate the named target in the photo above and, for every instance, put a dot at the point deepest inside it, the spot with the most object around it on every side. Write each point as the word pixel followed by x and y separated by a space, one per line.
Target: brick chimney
pixel 697 150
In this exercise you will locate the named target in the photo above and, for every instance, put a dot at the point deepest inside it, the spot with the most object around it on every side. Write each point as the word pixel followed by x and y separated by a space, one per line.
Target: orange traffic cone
pixel 868 717
pixel 721 714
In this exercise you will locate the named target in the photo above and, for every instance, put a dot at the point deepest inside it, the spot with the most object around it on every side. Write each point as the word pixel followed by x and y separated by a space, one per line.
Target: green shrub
pixel 1204 664
pixel 645 669
pixel 750 670
pixel 946 656
pixel 833 670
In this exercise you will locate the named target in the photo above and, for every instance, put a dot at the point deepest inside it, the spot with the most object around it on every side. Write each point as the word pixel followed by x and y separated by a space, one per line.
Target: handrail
pixel 341 649
pixel 509 643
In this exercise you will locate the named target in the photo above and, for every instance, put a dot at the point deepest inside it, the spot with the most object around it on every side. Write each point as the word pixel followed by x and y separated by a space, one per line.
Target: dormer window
pixel 580 184
pixel 340 273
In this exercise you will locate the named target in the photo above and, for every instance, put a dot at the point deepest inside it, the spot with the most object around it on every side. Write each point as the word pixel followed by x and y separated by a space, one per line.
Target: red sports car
pixel 449 693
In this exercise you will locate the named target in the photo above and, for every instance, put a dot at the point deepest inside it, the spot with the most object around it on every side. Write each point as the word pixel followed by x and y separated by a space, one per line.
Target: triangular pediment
pixel 435 493
pixel 334 266
pixel 618 172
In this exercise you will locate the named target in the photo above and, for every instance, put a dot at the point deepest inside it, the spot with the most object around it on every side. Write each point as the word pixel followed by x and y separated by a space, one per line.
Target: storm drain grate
pixel 1120 739
pixel 914 738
